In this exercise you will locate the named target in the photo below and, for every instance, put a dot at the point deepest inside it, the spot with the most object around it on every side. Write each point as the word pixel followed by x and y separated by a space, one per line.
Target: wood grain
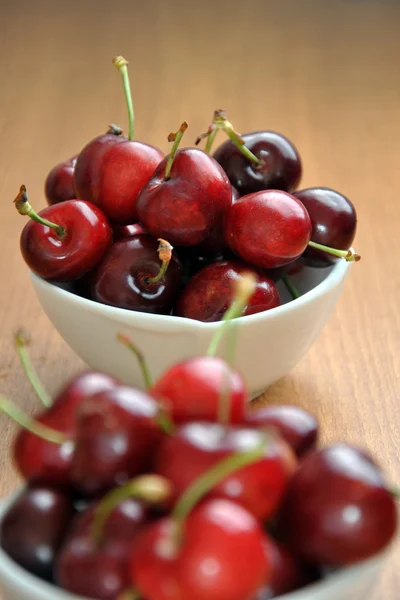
pixel 324 73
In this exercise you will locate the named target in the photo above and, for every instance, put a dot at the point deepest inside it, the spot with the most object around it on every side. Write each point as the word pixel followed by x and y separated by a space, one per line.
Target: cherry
pixel 215 244
pixel 259 160
pixel 130 277
pixel 338 510
pixel 123 231
pixel 219 537
pixel 210 292
pixel 268 229
pixel 33 528
pixel 334 222
pixel 193 390
pixel 187 198
pixel 63 241
pixel 117 434
pixel 195 447
pixel 59 185
pixel 111 174
pixel 297 426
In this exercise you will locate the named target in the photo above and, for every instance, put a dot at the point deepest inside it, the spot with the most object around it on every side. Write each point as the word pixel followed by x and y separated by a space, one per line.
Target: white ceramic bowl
pixel 348 584
pixel 269 344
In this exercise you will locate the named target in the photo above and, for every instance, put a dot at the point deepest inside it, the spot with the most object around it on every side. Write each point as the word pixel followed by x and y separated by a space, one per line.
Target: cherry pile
pixel 186 491
pixel 132 228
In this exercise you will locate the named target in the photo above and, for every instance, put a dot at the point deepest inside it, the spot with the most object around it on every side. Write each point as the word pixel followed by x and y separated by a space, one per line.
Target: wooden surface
pixel 323 73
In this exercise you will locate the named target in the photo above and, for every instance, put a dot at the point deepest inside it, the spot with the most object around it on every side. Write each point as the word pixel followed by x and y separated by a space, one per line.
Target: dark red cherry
pixel 59 184
pixel 280 166
pixel 202 389
pixel 195 447
pixel 219 538
pixel 123 231
pixel 268 229
pixel 190 203
pixel 338 510
pixel 297 426
pixel 100 570
pixel 215 244
pixel 122 277
pixel 334 223
pixel 33 528
pixel 117 434
pixel 210 292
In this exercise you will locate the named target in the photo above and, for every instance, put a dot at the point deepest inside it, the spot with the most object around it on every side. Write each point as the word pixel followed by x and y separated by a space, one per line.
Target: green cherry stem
pixel 348 255
pixel 165 255
pixel 122 65
pixel 221 122
pixel 124 339
pixel 176 139
pixel 129 594
pixel 22 340
pixel 24 208
pixel 35 427
pixel 291 287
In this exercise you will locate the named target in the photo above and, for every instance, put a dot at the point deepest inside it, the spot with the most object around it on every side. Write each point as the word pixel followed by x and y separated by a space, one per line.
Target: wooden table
pixel 324 73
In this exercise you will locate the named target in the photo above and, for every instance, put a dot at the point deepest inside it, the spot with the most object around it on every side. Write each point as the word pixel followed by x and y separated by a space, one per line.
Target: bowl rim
pixel 23 580
pixel 334 277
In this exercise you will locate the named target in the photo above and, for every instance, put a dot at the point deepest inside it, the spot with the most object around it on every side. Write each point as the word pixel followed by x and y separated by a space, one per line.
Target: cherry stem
pixel 395 492
pixel 348 255
pixel 24 208
pixel 22 341
pixel 165 254
pixel 291 287
pixel 245 288
pixel 122 65
pixel 129 594
pixel 152 489
pixel 210 134
pixel 221 122
pixel 124 339
pixel 176 138
pixel 35 427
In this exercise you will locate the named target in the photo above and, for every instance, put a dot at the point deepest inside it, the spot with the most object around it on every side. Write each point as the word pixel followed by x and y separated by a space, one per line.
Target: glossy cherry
pixel 117 434
pixel 268 229
pixel 215 244
pixel 33 528
pixel 195 447
pixel 63 241
pixel 122 277
pixel 202 389
pixel 211 290
pixel 297 426
pixel 123 231
pixel 45 462
pixel 219 538
pixel 100 569
pixel 337 509
pixel 334 223
pixel 59 184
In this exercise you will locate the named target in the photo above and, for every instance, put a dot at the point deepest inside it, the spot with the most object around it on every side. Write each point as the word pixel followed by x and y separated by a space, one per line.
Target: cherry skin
pixel 195 447
pixel 101 571
pixel 219 537
pixel 281 168
pixel 268 229
pixel 215 244
pixel 297 426
pixel 68 256
pixel 185 208
pixel 334 223
pixel 121 279
pixel 337 509
pixel 191 390
pixel 59 184
pixel 33 528
pixel 110 172
pixel 117 435
pixel 210 292
pixel 44 462
pixel 123 231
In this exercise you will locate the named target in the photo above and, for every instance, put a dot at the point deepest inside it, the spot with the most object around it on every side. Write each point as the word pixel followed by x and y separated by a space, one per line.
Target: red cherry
pixel 297 426
pixel 123 231
pixel 215 244
pixel 219 538
pixel 192 391
pixel 211 290
pixel 268 229
pixel 337 509
pixel 59 185
pixel 63 241
pixel 195 447
pixel 122 277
